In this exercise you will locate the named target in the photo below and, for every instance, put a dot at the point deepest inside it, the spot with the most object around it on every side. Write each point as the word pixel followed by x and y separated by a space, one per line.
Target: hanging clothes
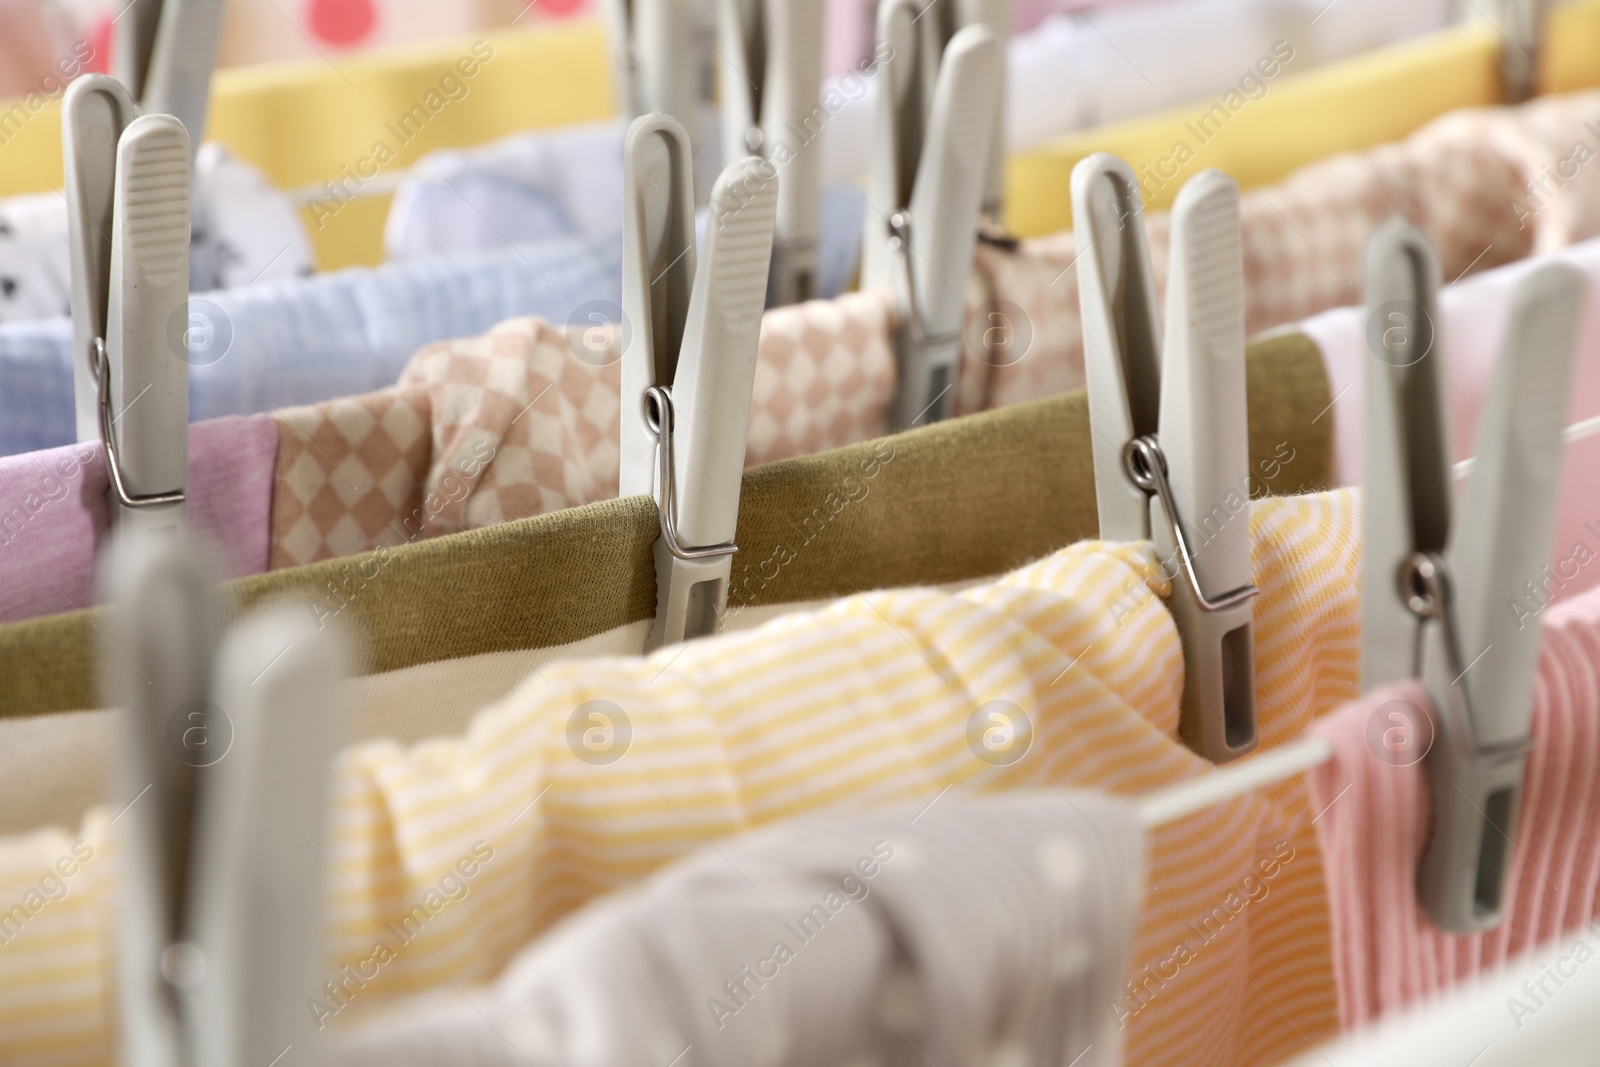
pixel 981 928
pixel 957 501
pixel 878 699
pixel 1465 180
pixel 526 419
pixel 1375 802
pixel 54 517
pixel 261 348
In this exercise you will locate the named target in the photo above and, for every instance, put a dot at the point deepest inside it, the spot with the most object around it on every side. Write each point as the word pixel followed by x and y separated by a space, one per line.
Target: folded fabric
pixel 1375 801
pixel 960 500
pixel 1464 180
pixel 54 516
pixel 263 347
pixel 525 419
pixel 246 232
pixel 1473 317
pixel 565 182
pixel 595 773
pixel 980 929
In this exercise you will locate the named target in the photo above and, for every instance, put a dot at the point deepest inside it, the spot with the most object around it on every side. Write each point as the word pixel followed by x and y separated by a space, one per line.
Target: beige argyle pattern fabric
pixel 1489 186
pixel 349 476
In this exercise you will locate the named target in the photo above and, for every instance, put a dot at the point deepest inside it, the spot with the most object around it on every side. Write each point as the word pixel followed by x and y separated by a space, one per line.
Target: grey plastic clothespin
pixel 1438 588
pixel 771 85
pixel 127 187
pixel 1170 441
pixel 1521 24
pixel 689 366
pixel 930 168
pixel 222 772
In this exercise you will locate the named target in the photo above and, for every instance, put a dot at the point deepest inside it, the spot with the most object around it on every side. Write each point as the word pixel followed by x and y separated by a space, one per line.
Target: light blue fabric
pixel 297 342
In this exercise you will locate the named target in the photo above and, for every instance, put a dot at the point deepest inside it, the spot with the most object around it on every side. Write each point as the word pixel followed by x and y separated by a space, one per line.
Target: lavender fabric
pixel 54 516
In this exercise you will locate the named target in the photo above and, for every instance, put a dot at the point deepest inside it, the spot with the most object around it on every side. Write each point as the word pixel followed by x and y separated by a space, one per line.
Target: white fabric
pixel 965 931
pixel 1075 72
pixel 248 232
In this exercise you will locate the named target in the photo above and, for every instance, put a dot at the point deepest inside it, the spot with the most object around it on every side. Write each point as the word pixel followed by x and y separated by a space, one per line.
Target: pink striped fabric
pixel 1374 818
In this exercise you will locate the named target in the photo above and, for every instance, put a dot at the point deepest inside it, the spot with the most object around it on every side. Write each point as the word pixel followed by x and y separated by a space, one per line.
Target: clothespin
pixel 927 185
pixel 166 52
pixel 996 15
pixel 656 51
pixel 1521 25
pixel 771 91
pixel 127 186
pixel 688 365
pixel 1171 444
pixel 222 767
pixel 1435 588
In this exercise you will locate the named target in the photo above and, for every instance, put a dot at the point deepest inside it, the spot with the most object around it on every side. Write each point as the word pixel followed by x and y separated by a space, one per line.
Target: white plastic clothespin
pixel 1521 25
pixel 1436 587
pixel 659 59
pixel 222 770
pixel 165 55
pixel 997 16
pixel 127 186
pixel 930 169
pixel 771 90
pixel 688 365
pixel 1171 443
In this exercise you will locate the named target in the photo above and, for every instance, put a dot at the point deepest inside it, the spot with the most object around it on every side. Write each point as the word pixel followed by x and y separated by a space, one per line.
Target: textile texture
pixel 962 499
pixel 54 516
pixel 1063 674
pixel 1376 804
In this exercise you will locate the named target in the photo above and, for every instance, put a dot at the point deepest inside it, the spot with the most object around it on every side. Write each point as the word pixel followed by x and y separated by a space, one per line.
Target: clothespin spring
pixel 659 420
pixel 1147 466
pixel 99 363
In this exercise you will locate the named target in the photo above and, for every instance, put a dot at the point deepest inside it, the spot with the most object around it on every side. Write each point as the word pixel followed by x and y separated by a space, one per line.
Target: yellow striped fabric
pixel 447 856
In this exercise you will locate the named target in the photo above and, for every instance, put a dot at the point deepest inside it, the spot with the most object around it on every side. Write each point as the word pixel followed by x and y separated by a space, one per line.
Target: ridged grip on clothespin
pixel 156 659
pixel 260 874
pixel 1483 687
pixel 1121 335
pixel 710 396
pixel 147 318
pixel 178 79
pixel 1203 430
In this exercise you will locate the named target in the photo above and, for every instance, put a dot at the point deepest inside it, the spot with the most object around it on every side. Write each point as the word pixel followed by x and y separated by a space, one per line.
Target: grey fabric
pixel 965 932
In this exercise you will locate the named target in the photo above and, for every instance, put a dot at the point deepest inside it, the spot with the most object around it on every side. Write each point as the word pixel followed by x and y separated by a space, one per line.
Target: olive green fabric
pixel 962 499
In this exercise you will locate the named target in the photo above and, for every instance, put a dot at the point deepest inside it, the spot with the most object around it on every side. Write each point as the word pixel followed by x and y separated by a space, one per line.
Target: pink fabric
pixel 1474 314
pixel 54 517
pixel 1374 818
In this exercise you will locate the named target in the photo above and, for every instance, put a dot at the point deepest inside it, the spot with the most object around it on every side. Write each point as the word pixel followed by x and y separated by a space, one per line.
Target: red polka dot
pixel 561 8
pixel 102 32
pixel 342 22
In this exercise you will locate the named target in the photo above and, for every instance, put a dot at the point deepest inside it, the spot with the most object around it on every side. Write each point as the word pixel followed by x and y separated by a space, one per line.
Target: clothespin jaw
pixel 690 362
pixel 156 659
pixel 1121 335
pixel 258 917
pixel 771 88
pixel 929 174
pixel 1459 581
pixel 1203 432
